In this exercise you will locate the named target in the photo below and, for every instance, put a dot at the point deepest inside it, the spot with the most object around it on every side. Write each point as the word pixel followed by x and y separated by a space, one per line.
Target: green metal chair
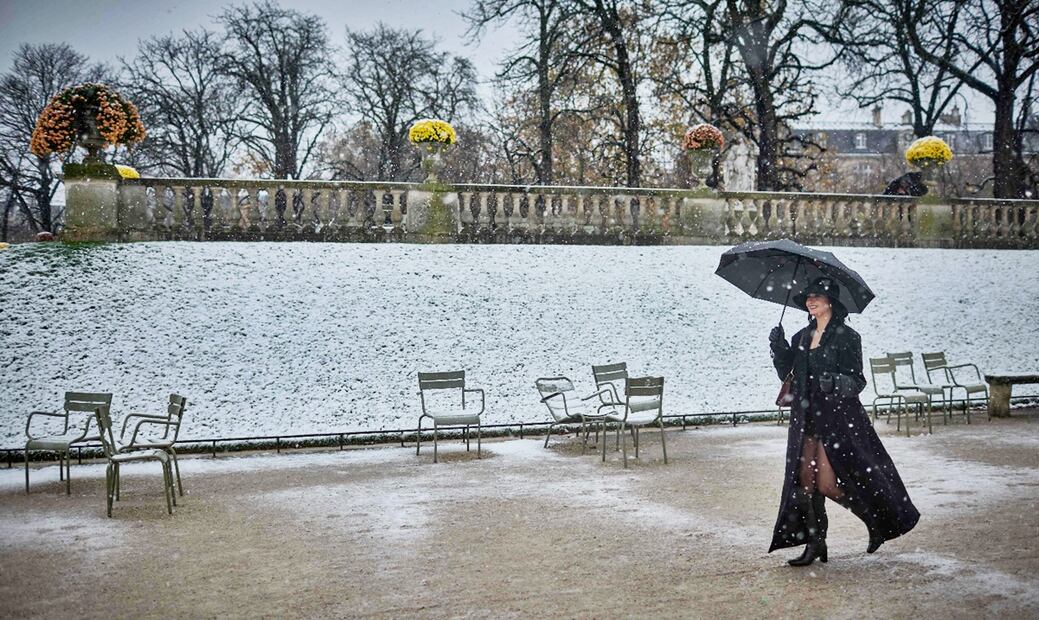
pixel 643 406
pixel 559 395
pixel 904 359
pixel 117 458
pixel 934 362
pixel 901 396
pixel 614 379
pixel 77 419
pixel 169 425
pixel 454 380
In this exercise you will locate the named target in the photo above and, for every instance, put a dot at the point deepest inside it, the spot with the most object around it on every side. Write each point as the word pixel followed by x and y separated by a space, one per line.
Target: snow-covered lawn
pixel 267 338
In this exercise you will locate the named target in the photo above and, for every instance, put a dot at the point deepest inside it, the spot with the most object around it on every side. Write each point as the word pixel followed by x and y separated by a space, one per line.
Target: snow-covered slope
pixel 268 338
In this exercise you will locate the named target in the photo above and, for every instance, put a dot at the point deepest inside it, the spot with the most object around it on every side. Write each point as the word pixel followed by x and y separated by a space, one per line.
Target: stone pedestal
pixel 432 215
pixel 134 220
pixel 91 203
pixel 702 217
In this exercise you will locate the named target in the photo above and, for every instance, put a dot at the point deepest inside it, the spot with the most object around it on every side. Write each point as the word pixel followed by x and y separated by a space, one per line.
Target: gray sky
pixel 107 29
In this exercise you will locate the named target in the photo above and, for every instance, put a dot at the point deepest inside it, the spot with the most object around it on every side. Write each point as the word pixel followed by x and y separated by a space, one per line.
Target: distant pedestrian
pixel 909 184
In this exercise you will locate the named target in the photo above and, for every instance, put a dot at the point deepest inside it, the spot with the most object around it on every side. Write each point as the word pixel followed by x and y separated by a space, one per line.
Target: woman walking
pixel 832 450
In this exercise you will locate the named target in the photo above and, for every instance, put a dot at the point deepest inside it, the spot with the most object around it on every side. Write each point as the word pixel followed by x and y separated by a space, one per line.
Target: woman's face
pixel 818 305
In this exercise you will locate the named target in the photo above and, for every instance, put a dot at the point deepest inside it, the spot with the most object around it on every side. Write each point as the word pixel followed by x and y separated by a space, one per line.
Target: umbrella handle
pixel 789 290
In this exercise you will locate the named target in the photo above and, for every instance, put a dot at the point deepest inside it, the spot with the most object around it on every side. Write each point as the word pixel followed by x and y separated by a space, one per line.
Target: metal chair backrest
pixel 86 403
pixel 431 381
pixel 564 387
pixel 903 359
pixel 645 394
pixel 614 375
pixel 935 361
pixel 104 426
pixel 881 366
pixel 175 413
pixel 441 380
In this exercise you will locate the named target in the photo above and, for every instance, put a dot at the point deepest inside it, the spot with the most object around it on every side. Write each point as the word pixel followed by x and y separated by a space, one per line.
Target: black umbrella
pixel 776 271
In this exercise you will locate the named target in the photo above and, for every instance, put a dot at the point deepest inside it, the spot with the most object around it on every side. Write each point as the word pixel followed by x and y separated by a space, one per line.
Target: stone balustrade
pixel 243 209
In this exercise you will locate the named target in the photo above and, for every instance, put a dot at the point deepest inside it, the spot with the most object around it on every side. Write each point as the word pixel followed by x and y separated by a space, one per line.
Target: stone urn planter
pixel 701 165
pixel 928 155
pixel 432 209
pixel 702 144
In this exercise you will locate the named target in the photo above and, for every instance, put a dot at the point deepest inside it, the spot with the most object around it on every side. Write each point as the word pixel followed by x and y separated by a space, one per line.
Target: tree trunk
pixel 1004 157
pixel 765 175
pixel 632 125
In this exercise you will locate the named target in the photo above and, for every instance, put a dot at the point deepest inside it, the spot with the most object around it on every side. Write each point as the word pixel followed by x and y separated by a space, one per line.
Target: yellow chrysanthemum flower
pixel 432 130
pixel 127 172
pixel 4 245
pixel 928 151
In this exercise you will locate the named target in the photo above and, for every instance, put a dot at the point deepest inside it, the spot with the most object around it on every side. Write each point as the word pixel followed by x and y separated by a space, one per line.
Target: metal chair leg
pixel 479 439
pixel 434 442
pixel 548 435
pixel 663 443
pixel 176 466
pixel 166 491
pixel 109 488
pixel 26 468
pixel 624 445
pixel 68 474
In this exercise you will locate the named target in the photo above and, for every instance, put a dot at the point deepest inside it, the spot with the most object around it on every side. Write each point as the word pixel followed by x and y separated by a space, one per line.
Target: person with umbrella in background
pixel 832 449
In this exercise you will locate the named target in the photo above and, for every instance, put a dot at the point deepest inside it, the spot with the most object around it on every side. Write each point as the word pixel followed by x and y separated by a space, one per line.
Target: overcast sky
pixel 107 29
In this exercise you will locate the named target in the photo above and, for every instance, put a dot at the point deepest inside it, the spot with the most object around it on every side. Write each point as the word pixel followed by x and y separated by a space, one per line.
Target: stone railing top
pixel 670 192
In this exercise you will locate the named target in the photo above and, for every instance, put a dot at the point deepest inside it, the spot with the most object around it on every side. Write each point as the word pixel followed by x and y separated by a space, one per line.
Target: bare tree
pixel 279 59
pixel 188 106
pixel 883 65
pixel 545 62
pixel 774 40
pixel 611 31
pixel 38 73
pixel 696 66
pixel 996 53
pixel 397 76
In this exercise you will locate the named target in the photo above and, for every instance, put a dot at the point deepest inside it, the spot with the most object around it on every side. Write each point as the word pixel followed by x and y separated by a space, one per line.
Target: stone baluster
pixel 649 220
pixel 731 219
pixel 465 212
pixel 255 214
pixel 483 215
pixel 500 219
pixel 841 224
pixel 197 220
pixel 516 215
pixel 396 213
pixel 536 207
pixel 909 223
pixel 352 210
pixel 160 214
pixel 233 220
pixel 1031 226
pixel 749 221
pixel 310 215
pixel 595 217
pixel 179 215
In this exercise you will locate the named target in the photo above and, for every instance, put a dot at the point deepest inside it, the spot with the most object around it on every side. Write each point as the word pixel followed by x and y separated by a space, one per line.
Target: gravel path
pixel 526 532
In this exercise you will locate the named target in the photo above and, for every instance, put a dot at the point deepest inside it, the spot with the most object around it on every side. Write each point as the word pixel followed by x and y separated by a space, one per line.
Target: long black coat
pixel 864 470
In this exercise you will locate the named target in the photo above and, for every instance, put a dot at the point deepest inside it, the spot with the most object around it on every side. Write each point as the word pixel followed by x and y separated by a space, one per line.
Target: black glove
pixel 776 336
pixel 827 383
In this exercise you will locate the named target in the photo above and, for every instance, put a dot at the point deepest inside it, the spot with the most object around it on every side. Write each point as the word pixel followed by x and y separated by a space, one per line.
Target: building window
pixel 986 142
pixel 860 140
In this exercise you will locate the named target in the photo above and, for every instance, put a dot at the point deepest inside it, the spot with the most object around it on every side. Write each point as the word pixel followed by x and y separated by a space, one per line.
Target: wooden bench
pixel 999 392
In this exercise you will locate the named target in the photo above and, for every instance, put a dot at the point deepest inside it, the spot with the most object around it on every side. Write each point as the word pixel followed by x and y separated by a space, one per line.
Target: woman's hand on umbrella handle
pixel 776 336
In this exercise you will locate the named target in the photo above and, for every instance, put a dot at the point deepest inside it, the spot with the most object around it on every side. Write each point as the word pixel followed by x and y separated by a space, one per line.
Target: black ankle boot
pixel 875 540
pixel 812 551
pixel 816 547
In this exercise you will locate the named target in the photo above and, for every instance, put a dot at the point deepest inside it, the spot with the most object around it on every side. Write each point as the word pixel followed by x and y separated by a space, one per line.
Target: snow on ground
pixel 281 338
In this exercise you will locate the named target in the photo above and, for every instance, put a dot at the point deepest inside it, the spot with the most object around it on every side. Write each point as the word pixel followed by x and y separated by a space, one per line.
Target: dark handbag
pixel 786 395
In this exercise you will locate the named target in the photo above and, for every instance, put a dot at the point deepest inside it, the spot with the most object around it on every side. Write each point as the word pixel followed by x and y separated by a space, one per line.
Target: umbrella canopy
pixel 778 271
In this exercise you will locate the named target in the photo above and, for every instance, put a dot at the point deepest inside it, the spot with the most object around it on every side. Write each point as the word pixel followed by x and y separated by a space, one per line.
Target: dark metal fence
pixel 342 439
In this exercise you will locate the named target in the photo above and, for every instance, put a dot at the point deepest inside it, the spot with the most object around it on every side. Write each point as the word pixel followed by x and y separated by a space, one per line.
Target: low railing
pixel 240 209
